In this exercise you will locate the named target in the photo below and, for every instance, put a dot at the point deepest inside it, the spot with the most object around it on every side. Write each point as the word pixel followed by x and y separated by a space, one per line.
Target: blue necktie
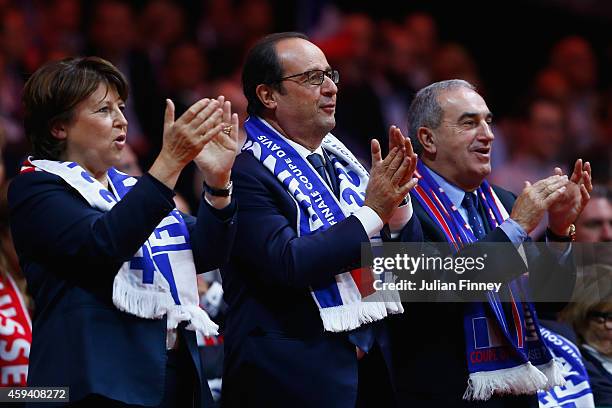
pixel 318 163
pixel 470 204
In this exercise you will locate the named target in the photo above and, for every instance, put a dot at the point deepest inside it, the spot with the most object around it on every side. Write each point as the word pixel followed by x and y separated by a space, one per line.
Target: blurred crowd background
pixel 543 67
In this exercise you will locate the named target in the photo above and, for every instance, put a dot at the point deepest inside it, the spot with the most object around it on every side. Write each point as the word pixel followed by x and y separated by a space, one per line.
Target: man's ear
pixel 427 139
pixel 58 130
pixel 266 95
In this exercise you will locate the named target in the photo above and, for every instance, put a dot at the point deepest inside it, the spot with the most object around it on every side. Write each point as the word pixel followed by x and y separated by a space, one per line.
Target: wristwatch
pixel 219 192
pixel 571 237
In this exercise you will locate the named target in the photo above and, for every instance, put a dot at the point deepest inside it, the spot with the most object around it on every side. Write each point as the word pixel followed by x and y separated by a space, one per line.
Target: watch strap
pixel 219 192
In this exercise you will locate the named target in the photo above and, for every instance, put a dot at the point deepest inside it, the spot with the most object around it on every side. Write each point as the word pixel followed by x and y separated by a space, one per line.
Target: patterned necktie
pixel 470 204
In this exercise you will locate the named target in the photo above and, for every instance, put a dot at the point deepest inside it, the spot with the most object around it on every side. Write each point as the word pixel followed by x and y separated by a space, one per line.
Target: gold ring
pixel 227 130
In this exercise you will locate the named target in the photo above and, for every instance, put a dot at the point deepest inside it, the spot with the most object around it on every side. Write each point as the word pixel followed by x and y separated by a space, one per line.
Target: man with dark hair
pixel 486 353
pixel 297 321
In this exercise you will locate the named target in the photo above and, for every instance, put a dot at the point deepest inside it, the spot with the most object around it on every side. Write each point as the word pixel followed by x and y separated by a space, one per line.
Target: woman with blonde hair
pixel 590 313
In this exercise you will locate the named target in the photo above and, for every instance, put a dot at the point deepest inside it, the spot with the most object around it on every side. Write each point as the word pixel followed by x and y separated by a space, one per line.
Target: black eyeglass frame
pixel 332 74
pixel 606 316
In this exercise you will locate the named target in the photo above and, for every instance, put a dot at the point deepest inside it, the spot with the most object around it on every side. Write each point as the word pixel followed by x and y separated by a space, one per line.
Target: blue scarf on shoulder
pixel 347 300
pixel 160 279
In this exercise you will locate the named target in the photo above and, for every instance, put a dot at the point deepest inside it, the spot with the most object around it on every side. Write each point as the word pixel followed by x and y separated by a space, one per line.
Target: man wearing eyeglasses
pixel 297 327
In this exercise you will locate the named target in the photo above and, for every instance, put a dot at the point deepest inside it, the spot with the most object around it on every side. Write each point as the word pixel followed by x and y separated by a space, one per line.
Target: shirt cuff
pixel 400 218
pixel 372 224
pixel 514 231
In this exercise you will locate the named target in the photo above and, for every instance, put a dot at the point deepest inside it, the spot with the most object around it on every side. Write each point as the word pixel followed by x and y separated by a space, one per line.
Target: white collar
pixel 301 150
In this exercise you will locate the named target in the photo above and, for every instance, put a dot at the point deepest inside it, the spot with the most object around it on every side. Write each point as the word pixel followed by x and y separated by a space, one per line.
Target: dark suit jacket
pixel 276 352
pixel 599 378
pixel 428 345
pixel 70 253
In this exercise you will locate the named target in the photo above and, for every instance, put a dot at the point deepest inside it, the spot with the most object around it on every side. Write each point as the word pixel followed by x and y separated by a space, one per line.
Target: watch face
pixel 572 232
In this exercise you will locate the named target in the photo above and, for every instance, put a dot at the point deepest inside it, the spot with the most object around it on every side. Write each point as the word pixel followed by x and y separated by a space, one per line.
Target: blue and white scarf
pixel 502 357
pixel 160 279
pixel 576 393
pixel 341 301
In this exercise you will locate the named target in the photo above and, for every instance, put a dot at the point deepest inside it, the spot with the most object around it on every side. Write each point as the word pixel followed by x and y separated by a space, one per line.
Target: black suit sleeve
pixel 52 223
pixel 212 235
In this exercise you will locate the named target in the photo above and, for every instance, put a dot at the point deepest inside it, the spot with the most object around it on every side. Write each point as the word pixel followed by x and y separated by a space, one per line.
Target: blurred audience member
pixel 393 81
pixel 600 153
pixel 15 323
pixel 452 61
pixel 424 29
pixel 541 136
pixel 228 29
pixel 17 57
pixel 2 141
pixel 591 317
pixel 550 83
pixel 161 24
pixel 60 28
pixel 595 222
pixel 360 117
pixel 594 227
pixel 129 162
pixel 256 20
pixel 574 58
pixel 185 72
pixel 113 37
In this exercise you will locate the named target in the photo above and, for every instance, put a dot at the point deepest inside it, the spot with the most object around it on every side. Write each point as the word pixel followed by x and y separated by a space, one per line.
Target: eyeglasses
pixel 316 76
pixel 601 317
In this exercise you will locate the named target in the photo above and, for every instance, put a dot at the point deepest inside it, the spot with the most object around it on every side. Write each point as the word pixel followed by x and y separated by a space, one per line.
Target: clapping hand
pixel 184 138
pixel 216 158
pixel 535 199
pixel 390 179
pixel 566 209
pixel 397 139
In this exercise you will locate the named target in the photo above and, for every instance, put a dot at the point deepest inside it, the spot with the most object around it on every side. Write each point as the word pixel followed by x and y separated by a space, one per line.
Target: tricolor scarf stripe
pixel 340 300
pixel 15 334
pixel 160 279
pixel 497 352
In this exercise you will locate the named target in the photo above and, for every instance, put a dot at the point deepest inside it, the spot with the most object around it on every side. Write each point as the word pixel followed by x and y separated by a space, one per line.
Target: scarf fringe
pixel 198 319
pixel 522 379
pixel 553 370
pixel 155 305
pixel 351 316
pixel 140 302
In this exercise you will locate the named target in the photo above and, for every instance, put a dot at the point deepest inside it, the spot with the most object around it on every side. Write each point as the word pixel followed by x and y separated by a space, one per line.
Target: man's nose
pixel 328 87
pixel 486 131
